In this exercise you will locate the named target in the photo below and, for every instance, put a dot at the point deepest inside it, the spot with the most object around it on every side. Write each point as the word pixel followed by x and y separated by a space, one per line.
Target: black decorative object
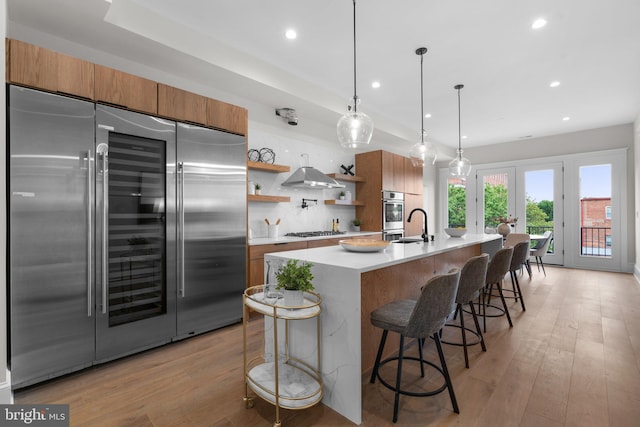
pixel 264 155
pixel 347 170
pixel 267 155
pixel 253 155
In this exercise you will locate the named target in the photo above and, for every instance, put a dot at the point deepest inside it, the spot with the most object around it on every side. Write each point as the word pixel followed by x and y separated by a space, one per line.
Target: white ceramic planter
pixel 293 298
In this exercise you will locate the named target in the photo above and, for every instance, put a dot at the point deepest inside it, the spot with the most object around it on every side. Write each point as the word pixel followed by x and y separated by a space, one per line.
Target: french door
pixel 532 194
pixel 539 201
pixel 597 208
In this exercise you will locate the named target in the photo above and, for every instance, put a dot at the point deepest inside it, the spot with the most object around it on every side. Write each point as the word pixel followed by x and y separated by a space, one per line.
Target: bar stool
pixel 519 258
pixel 417 319
pixel 498 268
pixel 472 280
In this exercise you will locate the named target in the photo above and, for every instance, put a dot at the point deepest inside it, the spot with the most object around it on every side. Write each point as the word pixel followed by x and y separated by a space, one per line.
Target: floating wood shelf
pixel 343 202
pixel 268 167
pixel 267 199
pixel 347 178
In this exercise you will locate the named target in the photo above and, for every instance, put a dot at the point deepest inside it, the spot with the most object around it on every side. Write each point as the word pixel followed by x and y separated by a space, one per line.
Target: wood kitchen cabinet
pixel 256 259
pixel 413 228
pixel 380 171
pixel 181 105
pixel 412 177
pixel 227 117
pixel 126 90
pixel 40 68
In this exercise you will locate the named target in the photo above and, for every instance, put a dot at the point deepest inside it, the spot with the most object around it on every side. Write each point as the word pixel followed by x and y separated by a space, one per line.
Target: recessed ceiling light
pixel 566 119
pixel 539 23
pixel 108 1
pixel 375 85
pixel 554 84
pixel 464 136
pixel 427 116
pixel 291 34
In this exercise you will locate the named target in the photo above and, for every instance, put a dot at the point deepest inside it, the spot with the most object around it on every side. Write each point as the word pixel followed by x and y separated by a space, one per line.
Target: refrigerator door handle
pixel 103 150
pixel 90 184
pixel 180 260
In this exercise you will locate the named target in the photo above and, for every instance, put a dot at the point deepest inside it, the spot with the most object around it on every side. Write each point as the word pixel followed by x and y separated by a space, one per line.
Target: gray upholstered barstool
pixel 472 281
pixel 498 268
pixel 417 319
pixel 519 258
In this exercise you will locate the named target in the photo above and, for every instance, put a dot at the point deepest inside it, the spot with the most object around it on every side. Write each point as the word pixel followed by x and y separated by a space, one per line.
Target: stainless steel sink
pixel 407 240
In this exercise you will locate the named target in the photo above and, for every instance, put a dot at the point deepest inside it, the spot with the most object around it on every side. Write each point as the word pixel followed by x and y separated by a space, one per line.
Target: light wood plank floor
pixel 572 359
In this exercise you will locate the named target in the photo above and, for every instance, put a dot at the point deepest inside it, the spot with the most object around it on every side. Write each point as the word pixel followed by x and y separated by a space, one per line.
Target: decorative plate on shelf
pixel 364 245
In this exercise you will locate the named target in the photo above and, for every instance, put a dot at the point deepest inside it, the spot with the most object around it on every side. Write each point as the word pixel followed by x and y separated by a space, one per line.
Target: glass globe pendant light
pixel 459 167
pixel 354 128
pixel 421 151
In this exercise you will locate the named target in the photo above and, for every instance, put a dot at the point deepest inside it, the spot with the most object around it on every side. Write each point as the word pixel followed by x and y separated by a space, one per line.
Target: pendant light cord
pixel 458 87
pixel 355 96
pixel 421 100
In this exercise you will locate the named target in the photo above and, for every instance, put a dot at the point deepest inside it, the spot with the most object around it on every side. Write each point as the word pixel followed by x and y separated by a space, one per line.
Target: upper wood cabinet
pixel 126 90
pixel 41 68
pixel 181 105
pixel 412 178
pixel 44 69
pixel 392 172
pixel 227 117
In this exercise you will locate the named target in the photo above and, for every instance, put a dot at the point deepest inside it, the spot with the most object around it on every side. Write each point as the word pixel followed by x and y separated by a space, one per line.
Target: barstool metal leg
pixel 383 340
pixel 399 379
pixel 420 342
pixel 504 304
pixel 445 371
pixel 475 320
pixel 464 335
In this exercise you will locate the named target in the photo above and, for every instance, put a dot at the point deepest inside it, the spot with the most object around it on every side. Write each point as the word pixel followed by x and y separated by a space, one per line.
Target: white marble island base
pixel 352 285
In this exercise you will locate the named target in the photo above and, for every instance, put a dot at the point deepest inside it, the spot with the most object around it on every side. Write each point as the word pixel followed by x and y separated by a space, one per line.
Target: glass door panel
pixel 137 276
pixel 542 207
pixel 595 211
pixel 496 189
pixel 456 202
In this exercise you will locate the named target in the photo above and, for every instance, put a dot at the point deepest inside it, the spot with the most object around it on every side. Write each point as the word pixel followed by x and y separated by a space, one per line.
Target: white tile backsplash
pixel 288 150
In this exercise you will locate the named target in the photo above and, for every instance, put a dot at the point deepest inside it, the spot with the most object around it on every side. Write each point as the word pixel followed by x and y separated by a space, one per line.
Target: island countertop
pixel 395 253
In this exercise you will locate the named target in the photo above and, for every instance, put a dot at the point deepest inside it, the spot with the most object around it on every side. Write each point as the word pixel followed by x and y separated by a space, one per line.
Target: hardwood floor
pixel 572 359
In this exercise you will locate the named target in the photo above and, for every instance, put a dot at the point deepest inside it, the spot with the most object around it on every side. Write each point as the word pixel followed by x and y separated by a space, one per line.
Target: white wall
pixel 5 383
pixel 288 145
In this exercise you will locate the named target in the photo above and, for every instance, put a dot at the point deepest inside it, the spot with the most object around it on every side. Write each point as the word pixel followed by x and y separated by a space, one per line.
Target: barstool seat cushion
pixel 393 316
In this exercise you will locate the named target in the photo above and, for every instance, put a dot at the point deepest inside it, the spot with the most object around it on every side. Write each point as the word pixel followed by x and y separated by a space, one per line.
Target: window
pixel 607 210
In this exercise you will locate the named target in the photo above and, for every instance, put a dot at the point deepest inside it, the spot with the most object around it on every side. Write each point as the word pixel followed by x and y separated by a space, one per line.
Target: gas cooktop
pixel 315 233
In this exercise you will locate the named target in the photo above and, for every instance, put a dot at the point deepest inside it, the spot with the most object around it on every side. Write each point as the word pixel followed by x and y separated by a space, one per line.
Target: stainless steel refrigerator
pixel 122 237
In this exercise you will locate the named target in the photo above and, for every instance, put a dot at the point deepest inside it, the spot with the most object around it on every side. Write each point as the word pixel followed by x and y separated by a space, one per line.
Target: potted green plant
pixel 342 195
pixel 258 189
pixel 295 279
pixel 356 224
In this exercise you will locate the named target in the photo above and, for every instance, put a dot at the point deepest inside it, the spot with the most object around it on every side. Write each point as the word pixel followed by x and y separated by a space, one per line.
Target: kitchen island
pixel 353 284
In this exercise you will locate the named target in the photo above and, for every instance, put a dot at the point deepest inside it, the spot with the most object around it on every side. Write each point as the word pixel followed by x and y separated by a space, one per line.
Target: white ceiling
pixel 591 47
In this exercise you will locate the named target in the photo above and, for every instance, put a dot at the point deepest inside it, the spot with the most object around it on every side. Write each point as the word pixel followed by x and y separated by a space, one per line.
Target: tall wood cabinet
pixel 383 170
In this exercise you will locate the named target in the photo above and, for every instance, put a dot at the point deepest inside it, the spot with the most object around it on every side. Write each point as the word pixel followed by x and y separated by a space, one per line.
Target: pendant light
pixel 459 167
pixel 421 151
pixel 354 128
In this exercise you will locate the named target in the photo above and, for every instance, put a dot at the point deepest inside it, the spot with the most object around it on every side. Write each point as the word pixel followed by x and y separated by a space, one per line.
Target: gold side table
pixel 283 380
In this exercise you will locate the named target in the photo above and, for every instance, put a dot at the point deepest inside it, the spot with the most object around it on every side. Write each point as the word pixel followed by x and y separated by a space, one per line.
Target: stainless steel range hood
pixel 311 178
